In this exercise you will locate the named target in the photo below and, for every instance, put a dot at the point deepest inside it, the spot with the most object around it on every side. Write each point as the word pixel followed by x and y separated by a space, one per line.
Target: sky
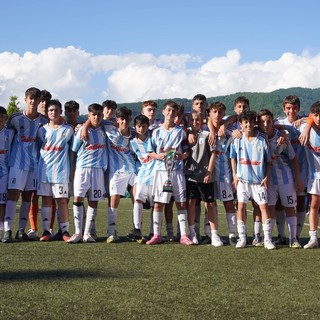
pixel 130 51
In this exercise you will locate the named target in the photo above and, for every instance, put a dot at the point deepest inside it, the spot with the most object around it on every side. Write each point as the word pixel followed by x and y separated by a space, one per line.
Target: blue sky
pixel 134 50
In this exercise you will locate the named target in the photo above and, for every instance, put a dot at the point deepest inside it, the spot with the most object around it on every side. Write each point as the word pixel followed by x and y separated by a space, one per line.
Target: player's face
pixel 169 114
pixel 316 119
pixel 108 113
pixel 291 111
pixel 247 126
pixel 95 118
pixel 54 112
pixel 150 112
pixel 3 118
pixel 266 124
pixel 123 123
pixel 141 128
pixel 32 103
pixel 195 123
pixel 178 119
pixel 216 115
pixel 42 107
pixel 71 115
pixel 199 105
pixel 240 107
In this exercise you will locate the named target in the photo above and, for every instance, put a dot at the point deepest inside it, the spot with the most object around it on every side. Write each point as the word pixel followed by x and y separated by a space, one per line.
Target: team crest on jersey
pixel 201 141
pixel 13 180
pixel 259 149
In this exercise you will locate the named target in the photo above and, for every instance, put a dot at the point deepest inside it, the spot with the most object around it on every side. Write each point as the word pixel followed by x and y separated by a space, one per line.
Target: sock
pixel 292 227
pixel 169 227
pixel 197 220
pixel 1 225
pixel 112 219
pixel 313 235
pixel 157 221
pixel 267 229
pixel 281 222
pixel 46 217
pixel 91 216
pixel 78 218
pixel 183 222
pixel 11 207
pixel 137 215
pixel 231 220
pixel 192 231
pixel 64 226
pixel 214 234
pixel 33 216
pixel 256 228
pixel 24 214
pixel 242 229
pixel 301 216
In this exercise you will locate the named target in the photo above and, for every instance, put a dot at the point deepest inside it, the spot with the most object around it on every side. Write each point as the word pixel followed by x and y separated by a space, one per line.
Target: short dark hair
pixel 291 99
pixel 141 119
pixel 149 103
pixel 242 99
pixel 45 95
pixel 217 105
pixel 3 110
pixel 95 107
pixel 248 115
pixel 33 93
pixel 71 104
pixel 199 96
pixel 53 102
pixel 123 112
pixel 264 112
pixel 110 104
pixel 170 103
pixel 315 108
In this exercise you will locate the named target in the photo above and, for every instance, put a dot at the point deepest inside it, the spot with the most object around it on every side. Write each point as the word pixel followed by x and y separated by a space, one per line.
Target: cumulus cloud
pixel 72 73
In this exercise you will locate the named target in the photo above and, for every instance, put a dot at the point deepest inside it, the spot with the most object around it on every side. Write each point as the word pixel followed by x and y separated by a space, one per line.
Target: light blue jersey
pixel 54 161
pixel 93 152
pixel 251 158
pixel 6 138
pixel 25 151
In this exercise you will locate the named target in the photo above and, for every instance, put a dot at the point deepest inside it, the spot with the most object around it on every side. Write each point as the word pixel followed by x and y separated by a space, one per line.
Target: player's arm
pixel 234 172
pixel 305 134
pixel 213 132
pixel 84 132
pixel 209 175
pixel 265 180
pixel 297 179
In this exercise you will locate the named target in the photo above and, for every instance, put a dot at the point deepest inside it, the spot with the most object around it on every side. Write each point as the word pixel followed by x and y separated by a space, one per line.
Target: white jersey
pixel 281 157
pixel 54 162
pixel 6 138
pixel 121 157
pixel 163 139
pixel 251 158
pixel 25 151
pixel 93 152
pixel 146 168
pixel 313 154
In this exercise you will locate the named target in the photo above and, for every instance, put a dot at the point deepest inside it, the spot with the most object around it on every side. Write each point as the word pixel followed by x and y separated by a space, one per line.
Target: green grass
pixel 130 281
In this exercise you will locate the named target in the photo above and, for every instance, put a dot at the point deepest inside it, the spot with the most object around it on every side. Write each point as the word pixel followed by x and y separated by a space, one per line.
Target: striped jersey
pixel 146 167
pixel 281 156
pixel 163 139
pixel 222 165
pixel 25 150
pixel 54 161
pixel 93 152
pixel 6 138
pixel 251 157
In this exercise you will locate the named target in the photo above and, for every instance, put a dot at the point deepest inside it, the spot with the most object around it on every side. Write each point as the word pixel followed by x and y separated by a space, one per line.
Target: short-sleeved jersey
pixel 313 153
pixel 281 157
pixel 163 139
pixel 196 165
pixel 146 167
pixel 6 138
pixel 93 152
pixel 54 161
pixel 25 151
pixel 251 157
pixel 121 158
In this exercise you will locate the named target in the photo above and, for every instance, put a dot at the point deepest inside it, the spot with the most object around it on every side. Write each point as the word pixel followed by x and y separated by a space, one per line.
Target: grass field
pixel 126 280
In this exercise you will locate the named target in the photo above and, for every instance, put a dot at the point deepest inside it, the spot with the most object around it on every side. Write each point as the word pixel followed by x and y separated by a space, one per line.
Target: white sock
pixel 78 218
pixel 292 227
pixel 192 231
pixel 242 229
pixel 182 218
pixel 64 226
pixel 313 235
pixel 24 214
pixel 46 213
pixel 231 220
pixel 281 222
pixel 267 229
pixel 137 215
pixel 256 228
pixel 11 207
pixel 112 219
pixel 91 216
pixel 301 216
pixel 157 221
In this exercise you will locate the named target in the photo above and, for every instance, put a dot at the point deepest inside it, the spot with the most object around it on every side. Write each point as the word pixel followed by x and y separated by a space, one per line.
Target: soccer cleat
pixel 170 236
pixel 57 236
pixel 21 235
pixel 66 236
pixel 206 240
pixel 88 238
pixel 232 241
pixel 75 238
pixel 242 243
pixel 185 240
pixel 280 241
pixel 216 241
pixel 156 239
pixel 312 244
pixel 112 239
pixel 33 234
pixel 7 237
pixel 46 236
pixel 268 244
pixel 257 242
pixel 294 243
pixel 194 239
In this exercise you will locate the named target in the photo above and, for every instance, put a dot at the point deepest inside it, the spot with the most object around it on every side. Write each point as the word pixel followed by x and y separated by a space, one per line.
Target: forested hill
pixel 258 100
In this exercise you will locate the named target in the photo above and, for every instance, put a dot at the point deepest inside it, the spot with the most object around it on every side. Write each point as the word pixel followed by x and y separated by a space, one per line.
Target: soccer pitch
pixel 128 280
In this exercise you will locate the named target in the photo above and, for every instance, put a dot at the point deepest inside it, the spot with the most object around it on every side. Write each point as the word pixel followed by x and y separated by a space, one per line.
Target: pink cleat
pixel 185 240
pixel 156 239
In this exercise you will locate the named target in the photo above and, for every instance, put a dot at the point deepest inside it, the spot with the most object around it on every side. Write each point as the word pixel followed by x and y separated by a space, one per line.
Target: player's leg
pixel 313 222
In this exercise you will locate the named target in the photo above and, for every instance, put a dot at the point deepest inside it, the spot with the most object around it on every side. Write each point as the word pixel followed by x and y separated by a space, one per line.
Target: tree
pixel 13 106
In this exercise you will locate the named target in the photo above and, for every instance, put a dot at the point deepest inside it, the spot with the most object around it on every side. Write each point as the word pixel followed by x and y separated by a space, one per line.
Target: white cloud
pixel 71 73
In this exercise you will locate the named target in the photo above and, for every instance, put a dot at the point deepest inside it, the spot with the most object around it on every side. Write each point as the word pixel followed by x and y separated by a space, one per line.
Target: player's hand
pixel 212 139
pixel 265 182
pixel 236 134
pixel 208 177
pixel 192 138
pixel 304 137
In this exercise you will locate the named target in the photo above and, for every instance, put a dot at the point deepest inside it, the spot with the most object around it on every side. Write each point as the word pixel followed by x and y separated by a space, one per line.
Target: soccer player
pixel 54 169
pixel 23 163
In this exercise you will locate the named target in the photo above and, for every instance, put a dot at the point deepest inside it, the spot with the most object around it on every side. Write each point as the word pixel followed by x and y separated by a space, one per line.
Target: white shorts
pixel 119 183
pixel 223 191
pixel 178 185
pixel 22 180
pixel 3 189
pixel 286 192
pixel 89 180
pixel 247 191
pixel 314 187
pixel 55 190
pixel 144 193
